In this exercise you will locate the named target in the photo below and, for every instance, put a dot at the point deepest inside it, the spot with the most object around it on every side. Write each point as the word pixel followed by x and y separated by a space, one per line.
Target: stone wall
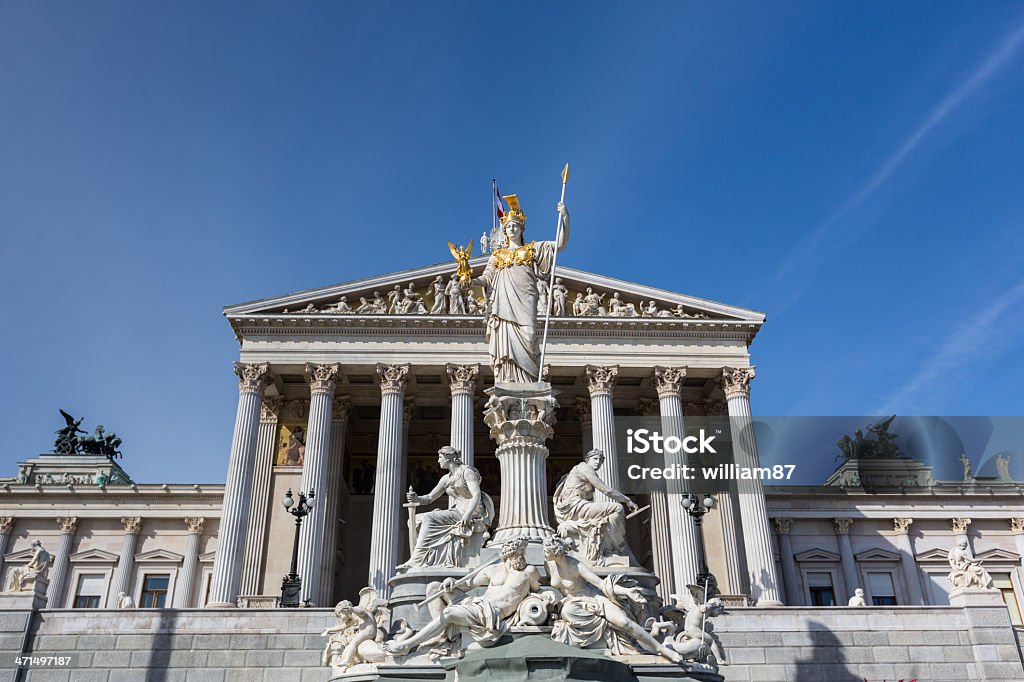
pixel 787 644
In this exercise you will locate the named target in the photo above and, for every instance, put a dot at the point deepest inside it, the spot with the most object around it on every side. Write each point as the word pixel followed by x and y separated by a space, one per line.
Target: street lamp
pixel 697 506
pixel 291 586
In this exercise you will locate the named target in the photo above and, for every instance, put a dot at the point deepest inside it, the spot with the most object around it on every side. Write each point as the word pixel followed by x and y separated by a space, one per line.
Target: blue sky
pixel 855 170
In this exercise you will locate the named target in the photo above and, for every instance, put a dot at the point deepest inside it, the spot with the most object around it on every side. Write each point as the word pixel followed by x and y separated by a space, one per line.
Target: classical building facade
pixel 350 390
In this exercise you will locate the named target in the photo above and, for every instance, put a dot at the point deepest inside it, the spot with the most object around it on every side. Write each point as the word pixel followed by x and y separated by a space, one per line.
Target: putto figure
pixel 484 618
pixel 599 527
pixel 510 279
pixel 445 535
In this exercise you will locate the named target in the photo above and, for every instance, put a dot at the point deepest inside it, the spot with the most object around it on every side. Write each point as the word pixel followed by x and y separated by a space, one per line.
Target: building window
pixel 820 586
pixel 881 589
pixel 154 591
pixel 89 591
pixel 1002 582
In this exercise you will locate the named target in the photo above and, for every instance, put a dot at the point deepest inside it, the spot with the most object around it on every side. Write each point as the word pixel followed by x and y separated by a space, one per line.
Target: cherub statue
pixel 697 637
pixel 462 256
pixel 353 640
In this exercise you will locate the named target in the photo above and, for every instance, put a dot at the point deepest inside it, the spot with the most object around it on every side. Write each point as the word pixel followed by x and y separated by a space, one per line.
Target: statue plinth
pixel 521 418
pixel 31 599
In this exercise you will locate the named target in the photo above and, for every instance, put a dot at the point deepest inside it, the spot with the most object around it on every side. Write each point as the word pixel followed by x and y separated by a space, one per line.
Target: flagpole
pixel 551 282
pixel 494 211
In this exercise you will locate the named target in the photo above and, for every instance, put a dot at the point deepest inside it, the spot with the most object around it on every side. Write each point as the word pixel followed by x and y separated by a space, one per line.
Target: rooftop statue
pixel 67 436
pixel 883 445
pixel 99 443
pixel 510 278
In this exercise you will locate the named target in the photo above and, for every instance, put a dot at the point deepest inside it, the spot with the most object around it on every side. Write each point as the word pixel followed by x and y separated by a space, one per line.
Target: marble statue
pixel 542 297
pixel 858 598
pixel 352 640
pixel 592 304
pixel 411 303
pixel 483 242
pixel 696 637
pixel 577 305
pixel 511 279
pixel 965 570
pixel 559 293
pixel 444 535
pixel 364 307
pixel 598 527
pixel 597 611
pixel 1003 467
pixel 484 618
pixel 342 307
pixel 437 289
pixel 456 303
pixel 394 299
pixel 966 464
pixel 649 309
pixel 616 308
pixel 472 305
pixel 380 307
pixel 23 578
pixel 124 601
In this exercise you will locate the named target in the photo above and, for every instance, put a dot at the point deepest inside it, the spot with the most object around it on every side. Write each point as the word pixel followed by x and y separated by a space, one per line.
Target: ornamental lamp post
pixel 697 506
pixel 291 585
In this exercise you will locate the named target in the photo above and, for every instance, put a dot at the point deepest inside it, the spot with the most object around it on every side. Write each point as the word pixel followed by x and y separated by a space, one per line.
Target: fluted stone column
pixel 905 545
pixel 270 413
pixel 227 566
pixel 387 496
pixel 55 593
pixel 668 381
pixel 600 383
pixel 757 534
pixel 661 535
pixel 790 573
pixel 335 486
pixel 187 579
pixel 6 526
pixel 462 380
pixel 125 563
pixel 323 379
pixel 583 416
pixel 846 558
pixel 1017 528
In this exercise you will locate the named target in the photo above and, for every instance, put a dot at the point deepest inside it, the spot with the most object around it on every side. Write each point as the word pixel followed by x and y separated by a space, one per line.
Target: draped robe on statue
pixel 512 334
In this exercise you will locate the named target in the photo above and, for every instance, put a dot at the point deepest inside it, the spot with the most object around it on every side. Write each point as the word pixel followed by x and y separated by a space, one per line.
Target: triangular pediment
pixel 933 555
pixel 877 554
pixel 999 555
pixel 161 555
pixel 97 556
pixel 22 555
pixel 817 554
pixel 632 299
pixel 207 557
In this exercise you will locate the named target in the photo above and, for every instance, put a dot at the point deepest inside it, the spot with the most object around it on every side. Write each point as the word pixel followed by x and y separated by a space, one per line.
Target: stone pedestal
pixel 25 600
pixel 521 418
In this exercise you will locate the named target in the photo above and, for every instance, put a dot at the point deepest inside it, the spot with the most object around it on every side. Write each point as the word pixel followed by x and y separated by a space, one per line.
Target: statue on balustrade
pixel 597 612
pixel 511 282
pixel 966 571
pixel 484 618
pixel 598 527
pixel 23 578
pixel 448 537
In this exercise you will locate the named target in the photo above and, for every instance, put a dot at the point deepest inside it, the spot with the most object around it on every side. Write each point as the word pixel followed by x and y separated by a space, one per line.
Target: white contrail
pixel 979 338
pixel 801 256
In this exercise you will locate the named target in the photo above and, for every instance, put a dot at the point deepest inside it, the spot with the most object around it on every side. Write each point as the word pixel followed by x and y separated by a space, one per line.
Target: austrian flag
pixel 499 204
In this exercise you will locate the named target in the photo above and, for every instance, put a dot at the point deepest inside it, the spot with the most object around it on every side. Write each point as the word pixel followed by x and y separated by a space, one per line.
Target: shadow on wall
pixel 826 663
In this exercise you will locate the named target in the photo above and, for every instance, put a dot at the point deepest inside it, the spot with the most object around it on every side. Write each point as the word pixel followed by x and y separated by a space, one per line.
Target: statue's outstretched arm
pixel 603 487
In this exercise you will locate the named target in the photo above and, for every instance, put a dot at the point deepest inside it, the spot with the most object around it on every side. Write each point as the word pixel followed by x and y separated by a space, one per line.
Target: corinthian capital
pixel 782 526
pixel 901 526
pixel 6 525
pixel 601 380
pixel 252 377
pixel 195 524
pixel 668 381
pixel 270 409
pixel 843 526
pixel 462 378
pixel 1016 526
pixel 68 524
pixel 132 524
pixel 322 378
pixel 960 526
pixel 392 378
pixel 736 381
